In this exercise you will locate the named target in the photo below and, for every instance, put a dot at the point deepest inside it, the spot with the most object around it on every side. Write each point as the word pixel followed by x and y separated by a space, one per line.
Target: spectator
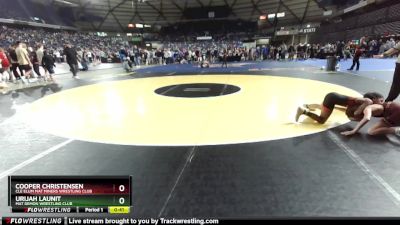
pixel 5 74
pixel 48 64
pixel 40 54
pixel 35 62
pixel 25 64
pixel 356 59
pixel 14 62
pixel 71 57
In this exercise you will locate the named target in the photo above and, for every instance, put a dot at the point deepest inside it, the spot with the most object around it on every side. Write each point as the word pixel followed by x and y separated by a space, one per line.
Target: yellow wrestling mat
pixel 129 112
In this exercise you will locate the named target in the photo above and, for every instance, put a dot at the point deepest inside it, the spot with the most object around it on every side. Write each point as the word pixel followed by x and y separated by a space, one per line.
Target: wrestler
pixel 353 106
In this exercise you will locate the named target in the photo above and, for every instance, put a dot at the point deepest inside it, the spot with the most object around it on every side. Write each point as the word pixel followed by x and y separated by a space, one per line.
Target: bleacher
pixel 377 22
pixel 394 11
pixel 371 18
pixel 26 11
pixel 387 28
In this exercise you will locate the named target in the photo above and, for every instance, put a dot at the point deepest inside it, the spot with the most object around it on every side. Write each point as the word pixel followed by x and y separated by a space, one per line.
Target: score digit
pixel 121 188
pixel 121 201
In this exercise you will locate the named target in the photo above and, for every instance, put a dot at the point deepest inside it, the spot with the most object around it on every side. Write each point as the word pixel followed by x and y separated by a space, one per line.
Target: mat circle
pixel 197 90
pixel 129 112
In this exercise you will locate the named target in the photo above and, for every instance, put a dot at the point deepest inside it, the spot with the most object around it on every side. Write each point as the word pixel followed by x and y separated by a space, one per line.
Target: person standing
pixel 25 64
pixel 347 53
pixel 72 59
pixel 339 49
pixel 84 59
pixel 57 55
pixel 14 61
pixel 122 54
pixel 35 62
pixel 48 64
pixel 395 88
pixel 225 59
pixel 4 69
pixel 356 59
pixel 40 54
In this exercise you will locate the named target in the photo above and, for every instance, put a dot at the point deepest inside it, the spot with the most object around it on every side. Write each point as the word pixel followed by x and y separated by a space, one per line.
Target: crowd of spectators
pixel 109 48
pixel 105 47
pixel 93 48
pixel 214 50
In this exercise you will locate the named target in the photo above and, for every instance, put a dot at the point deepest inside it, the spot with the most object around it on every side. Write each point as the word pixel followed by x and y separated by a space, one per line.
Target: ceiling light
pixel 67 3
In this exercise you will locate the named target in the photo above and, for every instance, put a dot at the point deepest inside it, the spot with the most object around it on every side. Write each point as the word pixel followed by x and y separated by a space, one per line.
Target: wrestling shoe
pixel 397 131
pixel 307 106
pixel 300 111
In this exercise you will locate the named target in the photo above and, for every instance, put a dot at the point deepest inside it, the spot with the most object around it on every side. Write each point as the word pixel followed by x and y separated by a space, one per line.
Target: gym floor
pixel 212 142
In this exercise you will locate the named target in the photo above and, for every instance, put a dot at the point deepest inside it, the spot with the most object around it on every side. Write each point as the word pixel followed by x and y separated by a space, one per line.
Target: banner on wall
pixel 297 31
pixel 308 30
pixel 249 45
pixel 262 41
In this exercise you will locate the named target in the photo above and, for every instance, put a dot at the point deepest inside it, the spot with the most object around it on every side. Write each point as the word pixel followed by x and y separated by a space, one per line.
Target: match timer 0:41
pixel 70 194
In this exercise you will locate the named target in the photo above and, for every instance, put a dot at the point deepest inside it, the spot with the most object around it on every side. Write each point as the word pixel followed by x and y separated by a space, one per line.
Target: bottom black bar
pixel 160 221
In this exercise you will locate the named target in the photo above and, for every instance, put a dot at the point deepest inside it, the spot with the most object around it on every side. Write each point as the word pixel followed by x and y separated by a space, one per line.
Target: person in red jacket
pixel 356 59
pixel 4 68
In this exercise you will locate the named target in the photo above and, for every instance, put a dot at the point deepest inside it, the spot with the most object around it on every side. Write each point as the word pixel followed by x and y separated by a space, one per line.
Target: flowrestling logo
pixel 118 221
pixel 33 220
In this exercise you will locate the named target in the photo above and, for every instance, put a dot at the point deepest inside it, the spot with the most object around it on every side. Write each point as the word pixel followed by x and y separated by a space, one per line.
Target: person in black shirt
pixel 225 59
pixel 35 61
pixel 339 50
pixel 72 59
pixel 48 64
pixel 84 60
pixel 14 62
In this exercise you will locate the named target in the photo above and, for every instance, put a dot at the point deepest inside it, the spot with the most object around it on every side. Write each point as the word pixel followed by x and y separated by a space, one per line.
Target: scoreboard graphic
pixel 69 194
pixel 73 200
